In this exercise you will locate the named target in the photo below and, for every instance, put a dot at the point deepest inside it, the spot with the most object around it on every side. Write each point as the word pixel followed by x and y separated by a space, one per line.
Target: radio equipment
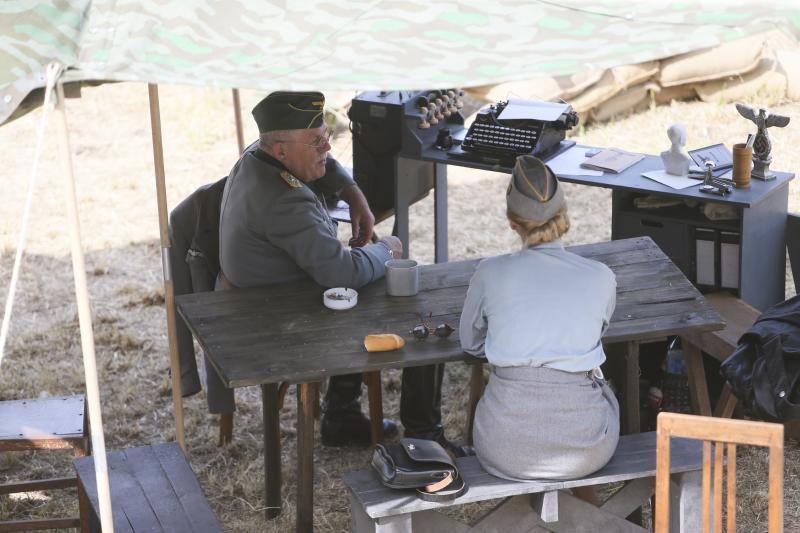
pixel 388 124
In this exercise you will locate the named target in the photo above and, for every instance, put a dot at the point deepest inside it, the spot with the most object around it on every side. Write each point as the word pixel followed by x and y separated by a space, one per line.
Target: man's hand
pixel 361 218
pixel 394 244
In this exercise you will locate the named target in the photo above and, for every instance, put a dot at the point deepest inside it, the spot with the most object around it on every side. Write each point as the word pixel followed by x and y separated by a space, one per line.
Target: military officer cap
pixel 534 192
pixel 283 110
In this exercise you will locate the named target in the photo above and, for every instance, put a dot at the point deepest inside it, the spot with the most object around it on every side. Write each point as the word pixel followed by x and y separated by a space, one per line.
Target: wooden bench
pixel 153 489
pixel 53 423
pixel 539 506
pixel 720 344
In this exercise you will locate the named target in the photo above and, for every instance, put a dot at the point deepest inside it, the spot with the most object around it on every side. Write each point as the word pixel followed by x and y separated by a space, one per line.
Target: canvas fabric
pixel 356 45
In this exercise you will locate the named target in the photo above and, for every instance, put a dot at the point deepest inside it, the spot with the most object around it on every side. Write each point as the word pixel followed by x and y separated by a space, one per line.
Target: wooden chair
pixel 55 423
pixel 720 432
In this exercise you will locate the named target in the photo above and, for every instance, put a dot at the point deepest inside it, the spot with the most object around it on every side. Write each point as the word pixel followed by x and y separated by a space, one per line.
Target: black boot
pixel 343 423
pixel 421 407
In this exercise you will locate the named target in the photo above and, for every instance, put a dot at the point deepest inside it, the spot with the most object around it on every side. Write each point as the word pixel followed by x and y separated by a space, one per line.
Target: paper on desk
pixel 532 110
pixel 676 182
pixel 568 163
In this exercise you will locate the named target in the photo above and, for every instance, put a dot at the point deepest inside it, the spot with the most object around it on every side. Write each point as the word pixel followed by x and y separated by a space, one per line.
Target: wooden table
pixel 283 333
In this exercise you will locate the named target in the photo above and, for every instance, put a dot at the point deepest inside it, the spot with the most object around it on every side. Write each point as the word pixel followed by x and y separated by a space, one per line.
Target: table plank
pixel 284 333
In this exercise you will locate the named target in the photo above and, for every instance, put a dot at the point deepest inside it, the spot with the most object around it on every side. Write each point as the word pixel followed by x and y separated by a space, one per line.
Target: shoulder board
pixel 290 180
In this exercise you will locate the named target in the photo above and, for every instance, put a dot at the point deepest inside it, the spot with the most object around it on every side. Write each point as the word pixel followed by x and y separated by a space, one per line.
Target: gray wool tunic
pixel 537 315
pixel 274 230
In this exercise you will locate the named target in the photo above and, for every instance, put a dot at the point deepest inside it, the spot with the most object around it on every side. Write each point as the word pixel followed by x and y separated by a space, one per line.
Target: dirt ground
pixel 110 141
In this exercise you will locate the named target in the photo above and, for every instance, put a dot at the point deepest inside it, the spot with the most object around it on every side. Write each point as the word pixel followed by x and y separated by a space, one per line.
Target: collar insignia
pixel 293 182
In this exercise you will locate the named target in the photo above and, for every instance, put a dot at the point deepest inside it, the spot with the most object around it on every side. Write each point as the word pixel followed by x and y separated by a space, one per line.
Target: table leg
pixel 440 212
pixel 476 386
pixel 305 457
pixel 374 393
pixel 272 449
pixel 696 372
pixel 632 387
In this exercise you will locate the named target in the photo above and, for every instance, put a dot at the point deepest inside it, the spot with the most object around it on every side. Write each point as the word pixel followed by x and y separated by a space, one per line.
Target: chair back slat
pixel 707 503
pixel 776 486
pixel 731 522
pixel 721 432
pixel 717 496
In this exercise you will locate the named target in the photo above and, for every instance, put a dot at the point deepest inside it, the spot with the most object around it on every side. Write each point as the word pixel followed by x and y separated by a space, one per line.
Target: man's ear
pixel 513 225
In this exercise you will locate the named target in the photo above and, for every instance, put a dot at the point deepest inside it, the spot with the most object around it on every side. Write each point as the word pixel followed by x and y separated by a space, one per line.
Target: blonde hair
pixel 533 233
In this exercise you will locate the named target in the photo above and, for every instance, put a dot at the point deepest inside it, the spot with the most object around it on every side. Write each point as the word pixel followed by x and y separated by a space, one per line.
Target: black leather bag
pixel 418 464
pixel 764 371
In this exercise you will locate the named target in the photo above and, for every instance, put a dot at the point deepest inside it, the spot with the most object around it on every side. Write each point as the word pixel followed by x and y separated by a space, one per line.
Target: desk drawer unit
pixel 671 236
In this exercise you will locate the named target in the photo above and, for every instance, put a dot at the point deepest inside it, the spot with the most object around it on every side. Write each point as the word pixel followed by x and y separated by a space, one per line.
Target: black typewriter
pixel 518 127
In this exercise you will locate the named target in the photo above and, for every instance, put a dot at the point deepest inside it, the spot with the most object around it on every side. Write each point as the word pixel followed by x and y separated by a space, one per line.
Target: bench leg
pixel 726 403
pixel 272 449
pixel 686 502
pixel 362 523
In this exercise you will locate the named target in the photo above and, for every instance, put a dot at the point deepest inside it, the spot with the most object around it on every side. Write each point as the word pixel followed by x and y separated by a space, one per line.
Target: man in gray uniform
pixel 275 228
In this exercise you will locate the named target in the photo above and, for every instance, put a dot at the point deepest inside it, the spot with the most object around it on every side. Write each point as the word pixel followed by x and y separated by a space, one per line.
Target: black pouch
pixel 419 464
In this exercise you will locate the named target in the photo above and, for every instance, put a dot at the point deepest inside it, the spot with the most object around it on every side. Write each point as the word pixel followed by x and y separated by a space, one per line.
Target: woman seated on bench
pixel 537 315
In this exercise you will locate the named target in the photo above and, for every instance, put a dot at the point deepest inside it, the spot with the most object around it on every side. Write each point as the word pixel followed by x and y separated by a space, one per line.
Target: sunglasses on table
pixel 424 329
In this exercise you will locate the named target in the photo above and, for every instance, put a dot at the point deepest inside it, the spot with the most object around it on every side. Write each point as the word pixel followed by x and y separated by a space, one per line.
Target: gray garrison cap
pixel 283 110
pixel 534 192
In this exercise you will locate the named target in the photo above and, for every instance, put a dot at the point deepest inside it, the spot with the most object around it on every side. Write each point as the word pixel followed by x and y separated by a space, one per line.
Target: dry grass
pixel 113 163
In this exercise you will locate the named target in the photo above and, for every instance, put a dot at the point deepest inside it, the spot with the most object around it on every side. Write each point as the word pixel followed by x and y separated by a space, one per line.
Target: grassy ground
pixel 113 163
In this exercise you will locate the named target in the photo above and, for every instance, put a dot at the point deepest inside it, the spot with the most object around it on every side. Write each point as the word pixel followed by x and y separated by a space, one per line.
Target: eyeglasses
pixel 320 141
pixel 423 329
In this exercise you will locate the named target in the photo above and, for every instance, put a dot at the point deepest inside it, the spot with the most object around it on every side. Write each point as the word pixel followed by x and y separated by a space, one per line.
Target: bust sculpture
pixel 676 160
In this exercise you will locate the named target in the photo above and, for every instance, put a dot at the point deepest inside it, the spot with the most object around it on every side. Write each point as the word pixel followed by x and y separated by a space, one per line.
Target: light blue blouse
pixel 540 306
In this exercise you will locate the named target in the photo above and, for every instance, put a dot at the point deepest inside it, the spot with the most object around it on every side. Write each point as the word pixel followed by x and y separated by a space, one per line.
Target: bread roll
pixel 384 342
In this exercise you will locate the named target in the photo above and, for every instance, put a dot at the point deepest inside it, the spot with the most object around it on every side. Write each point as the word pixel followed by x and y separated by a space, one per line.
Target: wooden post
pixel 84 311
pixel 169 294
pixel 237 117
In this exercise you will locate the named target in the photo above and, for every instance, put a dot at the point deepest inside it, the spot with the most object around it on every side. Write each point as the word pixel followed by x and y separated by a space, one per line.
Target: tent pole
pixel 237 116
pixel 169 293
pixel 84 319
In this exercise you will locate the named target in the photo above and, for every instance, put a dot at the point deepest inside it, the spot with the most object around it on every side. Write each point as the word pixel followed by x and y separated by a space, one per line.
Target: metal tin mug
pixel 402 277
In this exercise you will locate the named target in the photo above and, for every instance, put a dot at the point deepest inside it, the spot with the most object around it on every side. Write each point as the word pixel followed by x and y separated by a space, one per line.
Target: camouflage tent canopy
pixel 354 45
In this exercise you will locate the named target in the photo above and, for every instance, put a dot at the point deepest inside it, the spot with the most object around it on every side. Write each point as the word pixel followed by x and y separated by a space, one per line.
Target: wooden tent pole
pixel 169 293
pixel 237 116
pixel 84 319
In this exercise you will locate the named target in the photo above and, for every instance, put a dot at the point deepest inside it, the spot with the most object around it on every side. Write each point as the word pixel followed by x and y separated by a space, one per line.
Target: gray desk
pixel 283 333
pixel 761 227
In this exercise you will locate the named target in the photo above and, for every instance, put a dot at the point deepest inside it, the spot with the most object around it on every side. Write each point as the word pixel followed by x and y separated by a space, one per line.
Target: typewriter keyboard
pixel 496 138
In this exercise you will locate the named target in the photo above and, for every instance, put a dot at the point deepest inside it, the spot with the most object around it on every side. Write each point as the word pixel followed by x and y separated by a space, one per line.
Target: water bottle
pixel 674 362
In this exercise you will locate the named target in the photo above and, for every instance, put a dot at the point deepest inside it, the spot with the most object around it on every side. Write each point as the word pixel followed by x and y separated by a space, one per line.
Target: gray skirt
pixel 541 423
